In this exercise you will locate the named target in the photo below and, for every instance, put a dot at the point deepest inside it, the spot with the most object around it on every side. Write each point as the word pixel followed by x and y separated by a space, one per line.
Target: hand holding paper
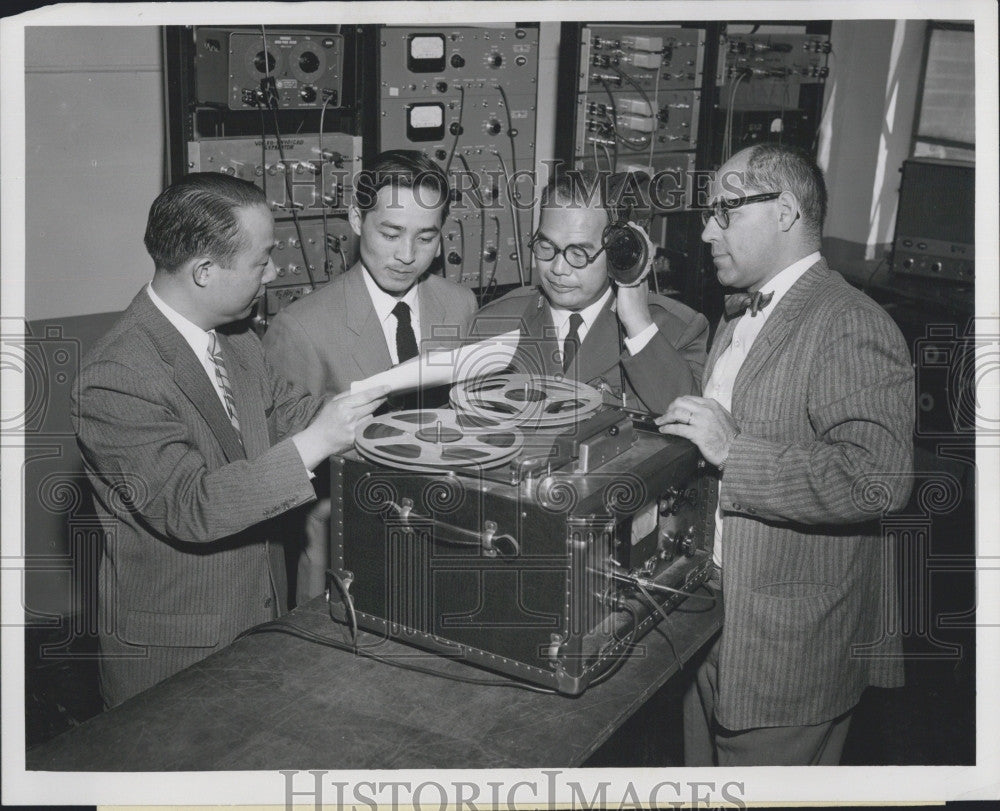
pixel 441 367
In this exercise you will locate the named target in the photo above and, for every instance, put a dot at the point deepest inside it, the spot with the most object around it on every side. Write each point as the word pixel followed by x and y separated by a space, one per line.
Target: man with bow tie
pixel 807 416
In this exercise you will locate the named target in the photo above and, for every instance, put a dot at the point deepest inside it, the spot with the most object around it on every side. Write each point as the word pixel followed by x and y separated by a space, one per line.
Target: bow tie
pixel 739 303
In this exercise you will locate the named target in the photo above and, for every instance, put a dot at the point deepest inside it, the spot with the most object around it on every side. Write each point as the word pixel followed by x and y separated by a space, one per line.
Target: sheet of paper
pixel 441 367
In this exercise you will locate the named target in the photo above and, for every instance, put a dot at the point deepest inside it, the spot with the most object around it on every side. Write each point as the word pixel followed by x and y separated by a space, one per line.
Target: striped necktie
pixel 222 379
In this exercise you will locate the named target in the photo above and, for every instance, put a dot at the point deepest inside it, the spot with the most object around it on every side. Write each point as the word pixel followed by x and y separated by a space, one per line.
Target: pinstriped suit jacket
pixel 186 564
pixel 825 406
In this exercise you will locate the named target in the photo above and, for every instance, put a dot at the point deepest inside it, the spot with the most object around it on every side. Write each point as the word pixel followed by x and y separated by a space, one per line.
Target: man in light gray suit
pixel 192 443
pixel 377 314
pixel 808 417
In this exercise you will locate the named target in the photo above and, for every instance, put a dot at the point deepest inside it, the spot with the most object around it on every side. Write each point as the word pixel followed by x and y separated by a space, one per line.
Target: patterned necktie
pixel 572 342
pixel 222 378
pixel 406 341
pixel 739 303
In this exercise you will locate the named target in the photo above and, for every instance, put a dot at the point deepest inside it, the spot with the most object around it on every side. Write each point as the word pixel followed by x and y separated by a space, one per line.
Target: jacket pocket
pixel 794 589
pixel 171 630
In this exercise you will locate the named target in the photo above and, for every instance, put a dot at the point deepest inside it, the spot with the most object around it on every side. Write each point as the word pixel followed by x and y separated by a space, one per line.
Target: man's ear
pixel 788 210
pixel 201 271
pixel 354 218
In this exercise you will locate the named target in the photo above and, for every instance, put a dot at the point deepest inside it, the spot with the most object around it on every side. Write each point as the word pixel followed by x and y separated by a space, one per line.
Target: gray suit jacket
pixel 187 564
pixel 668 366
pixel 825 405
pixel 329 339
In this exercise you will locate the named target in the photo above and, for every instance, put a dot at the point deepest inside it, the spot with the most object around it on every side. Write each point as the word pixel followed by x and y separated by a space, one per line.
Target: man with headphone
pixel 641 349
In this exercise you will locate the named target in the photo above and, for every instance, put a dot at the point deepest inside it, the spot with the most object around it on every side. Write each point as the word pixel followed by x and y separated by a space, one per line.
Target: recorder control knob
pixel 689 543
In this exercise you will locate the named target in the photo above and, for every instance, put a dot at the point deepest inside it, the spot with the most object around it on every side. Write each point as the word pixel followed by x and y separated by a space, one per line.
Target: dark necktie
pixel 406 341
pixel 739 303
pixel 572 342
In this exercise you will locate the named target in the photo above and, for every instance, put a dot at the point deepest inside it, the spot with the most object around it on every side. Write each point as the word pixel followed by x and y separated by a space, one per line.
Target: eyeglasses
pixel 720 208
pixel 576 256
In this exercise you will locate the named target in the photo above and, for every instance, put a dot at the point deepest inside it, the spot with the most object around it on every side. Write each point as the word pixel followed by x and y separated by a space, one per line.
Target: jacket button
pixel 267 602
pixel 736 506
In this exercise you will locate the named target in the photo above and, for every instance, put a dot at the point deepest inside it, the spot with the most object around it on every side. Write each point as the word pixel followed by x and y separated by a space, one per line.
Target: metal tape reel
pixel 437 439
pixel 527 401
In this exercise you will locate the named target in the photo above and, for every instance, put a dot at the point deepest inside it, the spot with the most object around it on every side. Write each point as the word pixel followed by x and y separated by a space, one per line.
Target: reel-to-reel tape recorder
pixel 532 529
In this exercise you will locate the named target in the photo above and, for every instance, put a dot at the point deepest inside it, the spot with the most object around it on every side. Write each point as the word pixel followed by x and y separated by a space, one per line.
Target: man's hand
pixel 702 420
pixel 633 302
pixel 332 429
pixel 633 308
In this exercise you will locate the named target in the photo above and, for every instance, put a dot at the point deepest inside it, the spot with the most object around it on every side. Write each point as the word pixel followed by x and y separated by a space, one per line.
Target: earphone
pixel 626 245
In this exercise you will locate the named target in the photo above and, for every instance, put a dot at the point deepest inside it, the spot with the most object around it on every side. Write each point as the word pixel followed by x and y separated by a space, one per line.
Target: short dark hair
pixel 400 169
pixel 779 167
pixel 196 216
pixel 617 193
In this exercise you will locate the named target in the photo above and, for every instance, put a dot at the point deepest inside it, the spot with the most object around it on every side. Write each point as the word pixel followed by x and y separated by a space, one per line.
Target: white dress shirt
pixel 560 319
pixel 727 366
pixel 195 336
pixel 383 303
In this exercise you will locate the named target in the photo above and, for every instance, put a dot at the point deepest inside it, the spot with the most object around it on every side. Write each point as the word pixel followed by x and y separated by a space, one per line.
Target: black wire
pixel 458 132
pixel 658 608
pixel 510 129
pixel 477 197
pixel 322 200
pixel 272 105
pixel 343 257
pixel 613 121
pixel 280 626
pixel 496 259
pixel 626 649
pixel 871 276
pixel 461 240
pixel 513 218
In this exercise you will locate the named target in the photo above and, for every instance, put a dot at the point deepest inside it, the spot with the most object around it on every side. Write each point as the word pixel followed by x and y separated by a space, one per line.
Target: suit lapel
pixel 432 311
pixel 775 330
pixel 368 349
pixel 599 351
pixel 537 346
pixel 249 408
pixel 189 375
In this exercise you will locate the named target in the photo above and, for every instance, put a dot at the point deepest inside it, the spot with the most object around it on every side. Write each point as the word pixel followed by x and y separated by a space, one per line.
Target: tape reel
pixel 527 401
pixel 434 440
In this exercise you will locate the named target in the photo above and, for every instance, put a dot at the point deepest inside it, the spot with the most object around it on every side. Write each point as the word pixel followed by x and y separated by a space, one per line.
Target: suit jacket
pixel 825 406
pixel 186 565
pixel 668 366
pixel 329 339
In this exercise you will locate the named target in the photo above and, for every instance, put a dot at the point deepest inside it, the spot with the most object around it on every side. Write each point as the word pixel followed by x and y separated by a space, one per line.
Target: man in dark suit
pixel 641 349
pixel 369 318
pixel 808 418
pixel 192 443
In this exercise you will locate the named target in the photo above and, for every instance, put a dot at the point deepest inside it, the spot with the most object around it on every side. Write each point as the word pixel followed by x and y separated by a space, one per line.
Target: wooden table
pixel 273 701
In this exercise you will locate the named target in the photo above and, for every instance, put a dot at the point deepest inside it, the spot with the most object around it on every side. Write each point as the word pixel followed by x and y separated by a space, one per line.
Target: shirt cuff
pixel 638 343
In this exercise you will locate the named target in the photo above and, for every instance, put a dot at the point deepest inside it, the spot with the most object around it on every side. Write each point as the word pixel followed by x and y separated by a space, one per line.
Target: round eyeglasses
pixel 576 256
pixel 720 208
